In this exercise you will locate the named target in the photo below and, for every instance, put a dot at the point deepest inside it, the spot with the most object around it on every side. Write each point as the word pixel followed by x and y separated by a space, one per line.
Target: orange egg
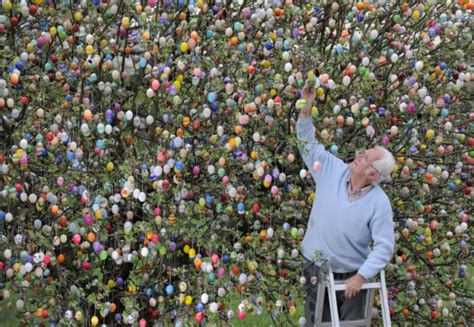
pixel 234 41
pixel 146 36
pixel 14 78
pixel 87 114
pixel 61 258
pixel 91 237
pixel 194 35
pixel 186 121
pixel 238 130
pixel 54 210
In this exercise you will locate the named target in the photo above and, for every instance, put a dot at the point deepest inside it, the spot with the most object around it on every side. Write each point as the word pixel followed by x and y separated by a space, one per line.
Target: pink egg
pixel 220 272
pixel 76 239
pixel 241 315
pixel 152 3
pixel 157 211
pixel 274 190
pixel 196 170
pixel 244 119
pixel 324 78
pixel 191 43
pixel 88 219
pixel 214 259
pixel 225 180
pixel 316 166
pixel 155 85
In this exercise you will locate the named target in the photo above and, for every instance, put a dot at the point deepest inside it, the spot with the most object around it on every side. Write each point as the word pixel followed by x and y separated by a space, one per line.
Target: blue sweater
pixel 339 229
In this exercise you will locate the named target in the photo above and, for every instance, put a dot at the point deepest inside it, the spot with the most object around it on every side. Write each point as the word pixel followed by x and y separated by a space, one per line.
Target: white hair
pixel 384 165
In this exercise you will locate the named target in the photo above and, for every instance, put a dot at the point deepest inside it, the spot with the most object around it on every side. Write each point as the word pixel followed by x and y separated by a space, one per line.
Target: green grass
pixel 8 317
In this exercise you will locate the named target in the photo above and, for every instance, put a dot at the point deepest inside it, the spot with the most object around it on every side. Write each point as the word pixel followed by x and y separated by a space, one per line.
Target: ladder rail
pixel 327 282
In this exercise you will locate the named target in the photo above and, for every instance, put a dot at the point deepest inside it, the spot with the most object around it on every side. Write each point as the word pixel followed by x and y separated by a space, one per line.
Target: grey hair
pixel 384 165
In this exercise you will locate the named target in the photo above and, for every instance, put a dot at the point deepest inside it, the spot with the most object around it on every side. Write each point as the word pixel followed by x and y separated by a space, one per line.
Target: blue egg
pixel 269 45
pixel 211 276
pixel 70 156
pixel 210 34
pixel 2 215
pixel 214 106
pixel 334 149
pixel 19 65
pixel 169 289
pixel 240 207
pixel 452 186
pixel 179 166
pixel 226 258
pixel 143 62
pixel 212 96
pixel 199 307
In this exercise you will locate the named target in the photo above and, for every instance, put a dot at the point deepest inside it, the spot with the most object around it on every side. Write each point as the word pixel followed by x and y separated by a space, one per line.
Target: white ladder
pixel 327 281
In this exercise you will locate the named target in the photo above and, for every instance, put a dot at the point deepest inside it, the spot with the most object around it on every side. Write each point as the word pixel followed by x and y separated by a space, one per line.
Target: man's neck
pixel 357 183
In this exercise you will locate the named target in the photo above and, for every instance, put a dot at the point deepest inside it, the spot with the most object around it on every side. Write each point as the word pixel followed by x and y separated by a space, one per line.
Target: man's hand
pixel 309 94
pixel 353 285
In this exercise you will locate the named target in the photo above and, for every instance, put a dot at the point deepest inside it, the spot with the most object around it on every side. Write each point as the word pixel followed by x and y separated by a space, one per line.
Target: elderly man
pixel 349 212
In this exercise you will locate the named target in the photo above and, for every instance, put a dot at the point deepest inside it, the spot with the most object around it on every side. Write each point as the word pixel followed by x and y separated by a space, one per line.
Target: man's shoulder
pixel 382 198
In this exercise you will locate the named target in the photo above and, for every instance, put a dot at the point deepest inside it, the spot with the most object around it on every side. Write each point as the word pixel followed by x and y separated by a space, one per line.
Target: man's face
pixel 362 165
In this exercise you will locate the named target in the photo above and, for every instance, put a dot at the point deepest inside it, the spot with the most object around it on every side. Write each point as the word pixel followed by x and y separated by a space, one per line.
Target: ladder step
pixel 366 286
pixel 359 322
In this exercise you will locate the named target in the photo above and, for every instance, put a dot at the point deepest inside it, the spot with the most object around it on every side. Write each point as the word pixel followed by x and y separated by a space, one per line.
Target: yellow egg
pixel 430 134
pixel 183 47
pixel 177 84
pixel 192 253
pixel 125 22
pixel 186 248
pixel 110 166
pixel 188 300
pixel 78 16
pixel 89 49
pixel 415 15
pixel 94 320
pixel 7 5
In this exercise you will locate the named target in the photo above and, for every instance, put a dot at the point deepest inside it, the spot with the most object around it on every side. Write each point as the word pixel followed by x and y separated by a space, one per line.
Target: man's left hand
pixel 353 285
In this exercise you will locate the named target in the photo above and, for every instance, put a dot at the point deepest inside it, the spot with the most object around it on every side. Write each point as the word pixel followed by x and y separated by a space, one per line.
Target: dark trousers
pixel 350 309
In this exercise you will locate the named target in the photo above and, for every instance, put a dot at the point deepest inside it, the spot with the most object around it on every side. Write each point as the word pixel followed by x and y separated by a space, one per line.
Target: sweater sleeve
pixel 381 228
pixel 312 150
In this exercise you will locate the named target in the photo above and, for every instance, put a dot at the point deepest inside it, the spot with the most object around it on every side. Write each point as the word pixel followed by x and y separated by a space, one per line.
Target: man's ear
pixel 373 175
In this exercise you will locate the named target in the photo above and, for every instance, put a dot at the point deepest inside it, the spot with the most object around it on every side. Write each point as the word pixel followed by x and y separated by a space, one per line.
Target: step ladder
pixel 327 281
